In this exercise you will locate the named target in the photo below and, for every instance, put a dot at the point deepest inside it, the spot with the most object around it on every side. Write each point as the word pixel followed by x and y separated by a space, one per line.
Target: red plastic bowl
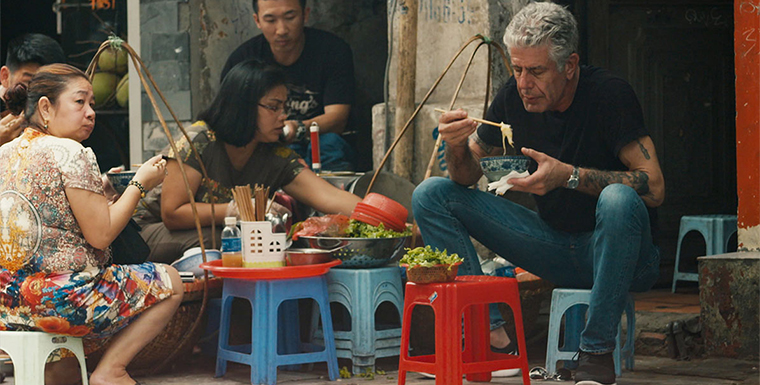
pixel 375 221
pixel 388 205
pixel 381 215
pixel 362 217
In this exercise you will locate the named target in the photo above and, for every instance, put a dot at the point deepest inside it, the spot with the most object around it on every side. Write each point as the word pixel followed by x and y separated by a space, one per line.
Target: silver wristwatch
pixel 300 131
pixel 572 183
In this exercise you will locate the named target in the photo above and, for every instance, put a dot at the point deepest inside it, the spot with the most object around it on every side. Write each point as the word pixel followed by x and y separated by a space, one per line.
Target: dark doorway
pixel 27 16
pixel 678 56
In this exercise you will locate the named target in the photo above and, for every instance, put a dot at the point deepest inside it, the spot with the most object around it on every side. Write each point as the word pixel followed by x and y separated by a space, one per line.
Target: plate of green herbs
pixel 427 257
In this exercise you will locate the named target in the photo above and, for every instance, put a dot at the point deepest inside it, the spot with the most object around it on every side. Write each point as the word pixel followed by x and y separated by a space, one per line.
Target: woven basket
pixel 432 274
pixel 165 343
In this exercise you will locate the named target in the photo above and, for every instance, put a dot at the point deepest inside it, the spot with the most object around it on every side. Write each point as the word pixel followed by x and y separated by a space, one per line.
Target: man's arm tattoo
pixel 598 180
pixel 487 148
pixel 643 150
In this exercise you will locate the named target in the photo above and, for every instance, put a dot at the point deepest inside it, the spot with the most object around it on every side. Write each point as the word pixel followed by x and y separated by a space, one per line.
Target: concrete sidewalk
pixel 654 310
pixel 648 371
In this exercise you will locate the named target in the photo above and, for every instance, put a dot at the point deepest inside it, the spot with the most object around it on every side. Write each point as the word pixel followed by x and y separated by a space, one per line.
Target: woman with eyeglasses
pixel 238 142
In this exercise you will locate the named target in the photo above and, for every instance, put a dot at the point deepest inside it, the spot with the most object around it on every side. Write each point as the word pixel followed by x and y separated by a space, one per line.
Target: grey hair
pixel 539 24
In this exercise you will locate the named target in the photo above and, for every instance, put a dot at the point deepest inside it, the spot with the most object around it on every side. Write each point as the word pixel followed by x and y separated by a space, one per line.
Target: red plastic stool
pixel 469 296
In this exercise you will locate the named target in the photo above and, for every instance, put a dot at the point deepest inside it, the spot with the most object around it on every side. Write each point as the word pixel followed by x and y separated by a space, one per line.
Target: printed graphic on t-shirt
pixel 302 103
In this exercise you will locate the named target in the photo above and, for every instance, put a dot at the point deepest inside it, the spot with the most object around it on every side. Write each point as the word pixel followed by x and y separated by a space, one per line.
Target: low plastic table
pixel 266 289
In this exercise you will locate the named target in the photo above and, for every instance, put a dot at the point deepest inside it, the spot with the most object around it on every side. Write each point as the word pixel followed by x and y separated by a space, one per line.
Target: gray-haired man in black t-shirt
pixel 321 71
pixel 595 177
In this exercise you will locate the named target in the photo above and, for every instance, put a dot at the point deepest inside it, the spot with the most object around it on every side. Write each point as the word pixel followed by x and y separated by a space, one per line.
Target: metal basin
pixel 361 252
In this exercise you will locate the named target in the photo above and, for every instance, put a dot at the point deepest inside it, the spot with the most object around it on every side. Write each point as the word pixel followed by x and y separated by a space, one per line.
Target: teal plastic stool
pixel 262 354
pixel 361 291
pixel 716 230
pixel 573 304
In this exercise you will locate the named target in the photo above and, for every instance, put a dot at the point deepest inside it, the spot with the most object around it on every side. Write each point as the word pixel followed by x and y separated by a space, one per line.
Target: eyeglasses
pixel 280 108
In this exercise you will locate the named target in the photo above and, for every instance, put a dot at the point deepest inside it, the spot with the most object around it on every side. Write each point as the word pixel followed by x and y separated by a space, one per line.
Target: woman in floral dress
pixel 56 226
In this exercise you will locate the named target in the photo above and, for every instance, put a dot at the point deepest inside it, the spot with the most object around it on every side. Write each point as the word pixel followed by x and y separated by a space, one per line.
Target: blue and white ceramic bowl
pixel 495 167
pixel 193 257
pixel 120 180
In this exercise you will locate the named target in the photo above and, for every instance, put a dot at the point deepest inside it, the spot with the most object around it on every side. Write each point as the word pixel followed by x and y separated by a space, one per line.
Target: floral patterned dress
pixel 51 279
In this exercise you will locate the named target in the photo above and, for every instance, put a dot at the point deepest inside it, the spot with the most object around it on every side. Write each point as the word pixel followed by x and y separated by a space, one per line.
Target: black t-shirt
pixel 322 76
pixel 271 164
pixel 605 115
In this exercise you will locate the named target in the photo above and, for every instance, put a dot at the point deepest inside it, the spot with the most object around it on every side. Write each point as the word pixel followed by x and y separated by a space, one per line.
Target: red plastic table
pixel 253 274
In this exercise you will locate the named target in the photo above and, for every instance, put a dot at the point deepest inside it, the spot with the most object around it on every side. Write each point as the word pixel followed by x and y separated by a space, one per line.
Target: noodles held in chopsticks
pixel 506 136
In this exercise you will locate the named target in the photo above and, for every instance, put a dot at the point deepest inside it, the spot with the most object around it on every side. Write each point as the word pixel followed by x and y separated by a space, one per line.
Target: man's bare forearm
pixel 594 181
pixel 462 166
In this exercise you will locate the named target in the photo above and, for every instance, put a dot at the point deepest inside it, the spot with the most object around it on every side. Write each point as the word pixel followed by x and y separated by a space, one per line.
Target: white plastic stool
pixel 29 352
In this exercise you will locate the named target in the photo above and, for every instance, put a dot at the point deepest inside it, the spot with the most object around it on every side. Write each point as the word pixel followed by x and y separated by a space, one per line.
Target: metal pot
pixel 298 257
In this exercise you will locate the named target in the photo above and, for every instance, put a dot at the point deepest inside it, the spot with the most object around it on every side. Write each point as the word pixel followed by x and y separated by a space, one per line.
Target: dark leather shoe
pixel 595 369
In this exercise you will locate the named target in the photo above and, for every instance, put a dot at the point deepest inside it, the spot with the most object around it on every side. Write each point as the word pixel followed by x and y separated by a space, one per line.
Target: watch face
pixel 574 179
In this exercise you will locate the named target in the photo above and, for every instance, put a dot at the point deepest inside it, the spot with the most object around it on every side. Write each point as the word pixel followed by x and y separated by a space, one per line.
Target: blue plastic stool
pixel 716 229
pixel 571 302
pixel 288 336
pixel 362 291
pixel 209 342
pixel 262 354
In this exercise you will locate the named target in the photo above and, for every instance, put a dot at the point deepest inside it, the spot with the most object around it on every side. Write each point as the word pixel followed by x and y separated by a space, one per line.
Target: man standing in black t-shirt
pixel 321 70
pixel 595 177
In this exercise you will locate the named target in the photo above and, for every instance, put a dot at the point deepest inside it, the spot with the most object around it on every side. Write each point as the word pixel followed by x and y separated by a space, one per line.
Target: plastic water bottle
pixel 505 271
pixel 232 250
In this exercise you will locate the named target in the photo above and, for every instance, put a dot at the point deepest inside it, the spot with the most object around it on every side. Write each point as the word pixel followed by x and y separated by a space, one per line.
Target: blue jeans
pixel 615 258
pixel 335 153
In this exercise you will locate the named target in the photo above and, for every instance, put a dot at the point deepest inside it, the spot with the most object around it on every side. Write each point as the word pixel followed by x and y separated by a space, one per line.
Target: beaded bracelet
pixel 139 187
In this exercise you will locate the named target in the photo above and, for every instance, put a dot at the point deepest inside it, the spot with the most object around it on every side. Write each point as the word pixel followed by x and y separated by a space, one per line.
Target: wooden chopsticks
pixel 475 119
pixel 255 211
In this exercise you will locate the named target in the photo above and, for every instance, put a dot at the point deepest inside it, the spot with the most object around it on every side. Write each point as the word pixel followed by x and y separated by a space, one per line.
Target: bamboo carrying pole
pixel 117 43
pixel 406 77
pixel 484 41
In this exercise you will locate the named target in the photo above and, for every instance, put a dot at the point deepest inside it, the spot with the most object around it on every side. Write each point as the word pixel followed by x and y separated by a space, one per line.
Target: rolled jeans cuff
pixel 495 316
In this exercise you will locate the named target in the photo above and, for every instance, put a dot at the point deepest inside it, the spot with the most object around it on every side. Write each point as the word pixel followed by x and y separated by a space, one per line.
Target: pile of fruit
pixel 110 84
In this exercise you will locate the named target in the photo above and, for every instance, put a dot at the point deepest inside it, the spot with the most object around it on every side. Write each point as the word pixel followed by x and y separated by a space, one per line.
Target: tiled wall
pixel 165 50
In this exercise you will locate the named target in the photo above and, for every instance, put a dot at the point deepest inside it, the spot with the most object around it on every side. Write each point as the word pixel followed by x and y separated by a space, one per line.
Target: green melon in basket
pixel 103 87
pixel 122 92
